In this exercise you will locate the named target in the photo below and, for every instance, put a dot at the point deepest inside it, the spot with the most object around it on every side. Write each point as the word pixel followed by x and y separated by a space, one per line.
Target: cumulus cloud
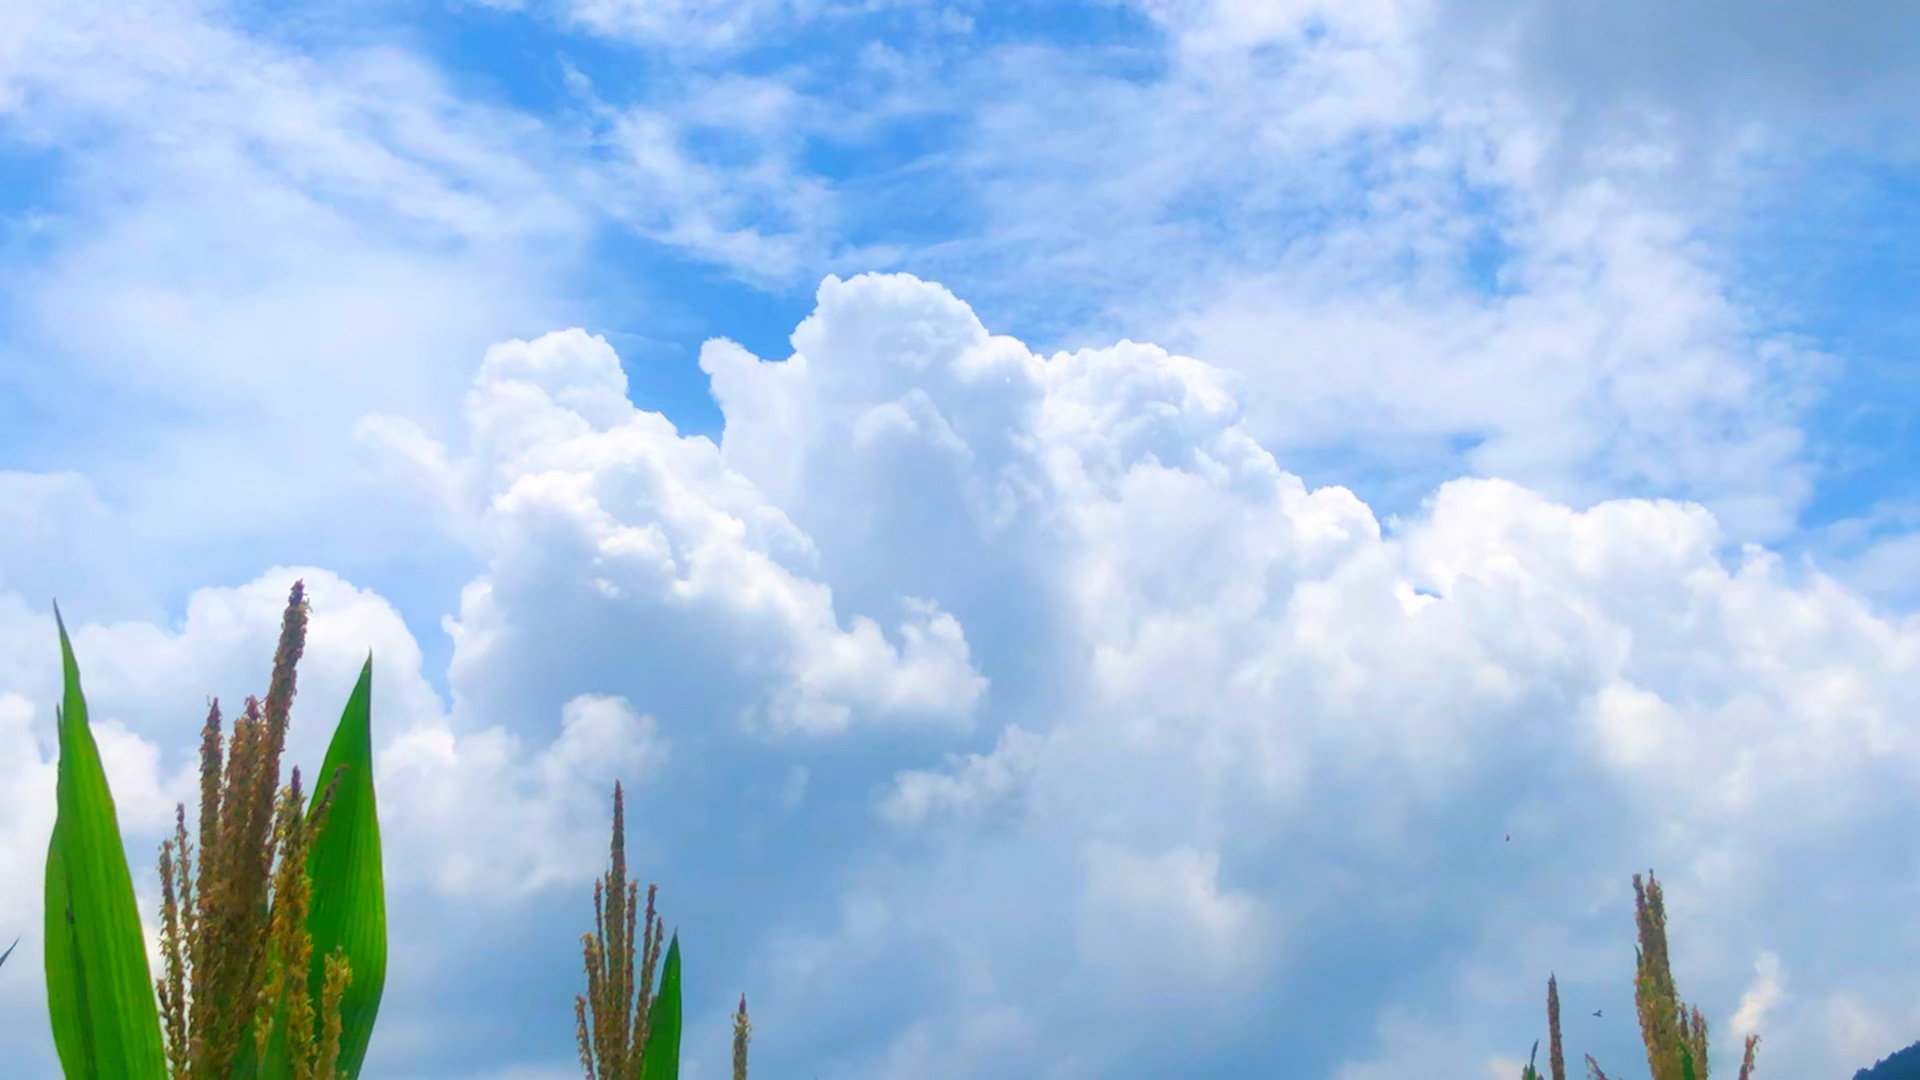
pixel 592 511
pixel 973 783
pixel 1435 264
pixel 1269 734
pixel 529 819
pixel 1252 651
pixel 983 711
pixel 1408 280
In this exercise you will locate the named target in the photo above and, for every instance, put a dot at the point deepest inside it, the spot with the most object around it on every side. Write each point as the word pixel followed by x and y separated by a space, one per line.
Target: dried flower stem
pixel 612 1044
pixel 1675 1034
pixel 742 1034
pixel 611 1018
pixel 236 948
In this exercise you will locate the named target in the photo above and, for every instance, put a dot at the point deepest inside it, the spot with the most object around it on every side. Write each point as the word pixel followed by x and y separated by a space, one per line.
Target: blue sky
pixel 1080 526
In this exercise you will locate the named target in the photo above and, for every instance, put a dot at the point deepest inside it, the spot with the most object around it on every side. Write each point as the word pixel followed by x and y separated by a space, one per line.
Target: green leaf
pixel 661 1058
pixel 349 891
pixel 1686 1064
pixel 100 997
pixel 246 1066
pixel 349 908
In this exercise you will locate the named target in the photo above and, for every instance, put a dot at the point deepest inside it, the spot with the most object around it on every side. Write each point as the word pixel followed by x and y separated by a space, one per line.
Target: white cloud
pixel 681 23
pixel 1696 73
pixel 1150 721
pixel 1245 654
pixel 1388 157
pixel 1614 364
pixel 975 782
pixel 1235 701
pixel 251 246
pixel 1761 998
pixel 55 540
pixel 711 26
pixel 1643 70
pixel 1408 280
pixel 580 494
pixel 1877 553
pixel 1889 568
pixel 524 822
pixel 765 217
pixel 1162 926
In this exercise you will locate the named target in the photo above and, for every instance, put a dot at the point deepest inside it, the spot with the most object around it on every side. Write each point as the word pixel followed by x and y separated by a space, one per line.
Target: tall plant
pixel 627 1030
pixel 249 946
pixel 274 942
pixel 1675 1035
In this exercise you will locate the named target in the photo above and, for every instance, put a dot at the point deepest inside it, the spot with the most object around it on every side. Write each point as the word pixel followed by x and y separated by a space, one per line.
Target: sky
pixel 1117 539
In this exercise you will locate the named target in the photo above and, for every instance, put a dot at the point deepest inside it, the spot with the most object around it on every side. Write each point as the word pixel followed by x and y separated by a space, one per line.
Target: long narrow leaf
pixel 661 1058
pixel 106 1023
pixel 349 891
pixel 66 1000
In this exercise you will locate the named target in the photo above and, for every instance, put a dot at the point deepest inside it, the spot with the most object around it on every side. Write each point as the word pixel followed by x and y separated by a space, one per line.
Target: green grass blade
pixel 661 1058
pixel 100 997
pixel 349 890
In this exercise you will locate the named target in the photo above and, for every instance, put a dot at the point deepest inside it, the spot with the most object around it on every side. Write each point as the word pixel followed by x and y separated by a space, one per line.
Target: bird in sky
pixel 1509 837
pixel 9 952
pixel 1596 1012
